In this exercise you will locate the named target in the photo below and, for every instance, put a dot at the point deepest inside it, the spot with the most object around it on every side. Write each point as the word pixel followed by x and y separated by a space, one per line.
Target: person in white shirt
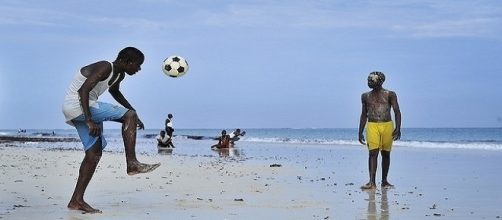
pixel 164 140
pixel 169 125
pixel 234 136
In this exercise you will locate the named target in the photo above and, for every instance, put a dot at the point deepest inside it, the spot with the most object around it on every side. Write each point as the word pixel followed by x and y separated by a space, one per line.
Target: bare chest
pixel 378 98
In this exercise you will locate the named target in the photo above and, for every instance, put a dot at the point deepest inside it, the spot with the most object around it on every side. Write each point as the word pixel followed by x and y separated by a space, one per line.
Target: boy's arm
pixel 117 94
pixel 362 120
pixel 119 97
pixel 101 73
pixel 165 139
pixel 397 115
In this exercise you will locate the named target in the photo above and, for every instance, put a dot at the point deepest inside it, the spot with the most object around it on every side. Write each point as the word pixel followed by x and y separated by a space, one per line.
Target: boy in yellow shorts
pixel 376 106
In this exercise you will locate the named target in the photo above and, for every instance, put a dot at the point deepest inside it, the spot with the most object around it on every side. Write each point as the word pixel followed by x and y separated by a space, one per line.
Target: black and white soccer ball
pixel 175 66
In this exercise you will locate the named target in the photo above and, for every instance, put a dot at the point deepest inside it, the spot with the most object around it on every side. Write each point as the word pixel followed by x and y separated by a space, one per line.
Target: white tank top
pixel 71 104
pixel 170 123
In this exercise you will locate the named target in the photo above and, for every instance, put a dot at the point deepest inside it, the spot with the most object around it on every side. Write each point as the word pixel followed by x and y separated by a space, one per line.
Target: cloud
pixel 416 19
pixel 408 19
pixel 445 19
pixel 12 15
pixel 127 22
pixel 476 27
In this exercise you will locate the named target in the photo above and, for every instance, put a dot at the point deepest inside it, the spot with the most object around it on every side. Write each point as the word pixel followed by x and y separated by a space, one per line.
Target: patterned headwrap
pixel 378 77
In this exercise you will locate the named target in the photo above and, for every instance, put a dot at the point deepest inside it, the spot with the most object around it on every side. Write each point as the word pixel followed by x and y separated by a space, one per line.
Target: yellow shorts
pixel 379 135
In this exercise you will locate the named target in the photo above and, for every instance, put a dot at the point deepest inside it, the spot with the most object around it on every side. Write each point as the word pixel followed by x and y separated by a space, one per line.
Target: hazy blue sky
pixel 260 64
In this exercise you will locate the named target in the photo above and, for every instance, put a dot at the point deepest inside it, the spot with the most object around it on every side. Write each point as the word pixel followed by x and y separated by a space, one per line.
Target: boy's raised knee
pixel 131 114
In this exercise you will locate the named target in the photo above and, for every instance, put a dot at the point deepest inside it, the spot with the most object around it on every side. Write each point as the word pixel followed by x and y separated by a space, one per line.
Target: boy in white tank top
pixel 82 110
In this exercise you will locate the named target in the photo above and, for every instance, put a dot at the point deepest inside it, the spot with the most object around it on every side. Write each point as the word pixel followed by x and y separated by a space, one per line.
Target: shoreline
pixel 310 184
pixel 23 138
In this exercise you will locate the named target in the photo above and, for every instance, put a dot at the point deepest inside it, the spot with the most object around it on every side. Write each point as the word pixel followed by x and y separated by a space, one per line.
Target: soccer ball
pixel 175 66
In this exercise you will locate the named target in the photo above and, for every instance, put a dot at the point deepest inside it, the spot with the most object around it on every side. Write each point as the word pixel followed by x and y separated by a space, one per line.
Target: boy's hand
pixel 94 130
pixel 361 139
pixel 140 124
pixel 396 134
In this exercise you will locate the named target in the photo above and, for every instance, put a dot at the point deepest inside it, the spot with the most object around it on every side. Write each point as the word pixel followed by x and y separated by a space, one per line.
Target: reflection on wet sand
pixel 373 213
pixel 229 152
pixel 165 151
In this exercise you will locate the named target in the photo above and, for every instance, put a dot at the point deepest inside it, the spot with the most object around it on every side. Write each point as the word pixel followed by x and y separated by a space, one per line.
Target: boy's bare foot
pixel 83 206
pixel 369 185
pixel 387 185
pixel 137 168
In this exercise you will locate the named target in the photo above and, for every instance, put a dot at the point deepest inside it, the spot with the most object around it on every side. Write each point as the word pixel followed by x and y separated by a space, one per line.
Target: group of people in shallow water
pixel 165 137
pixel 228 140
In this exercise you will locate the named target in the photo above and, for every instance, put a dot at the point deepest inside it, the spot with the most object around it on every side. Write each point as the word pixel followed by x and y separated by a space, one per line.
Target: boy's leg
pixel 385 168
pixel 374 144
pixel 129 135
pixel 129 126
pixel 372 168
pixel 87 168
pixel 128 118
pixel 387 141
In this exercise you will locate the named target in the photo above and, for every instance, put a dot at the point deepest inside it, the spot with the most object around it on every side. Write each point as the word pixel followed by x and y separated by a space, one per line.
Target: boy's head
pixel 375 79
pixel 223 132
pixel 130 58
pixel 162 132
pixel 169 116
pixel 130 54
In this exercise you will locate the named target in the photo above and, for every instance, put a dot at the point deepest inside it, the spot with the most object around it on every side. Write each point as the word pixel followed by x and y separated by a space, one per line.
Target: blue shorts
pixel 100 112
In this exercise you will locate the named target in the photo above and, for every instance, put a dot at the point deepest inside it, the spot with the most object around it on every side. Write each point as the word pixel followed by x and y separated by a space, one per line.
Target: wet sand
pixel 258 182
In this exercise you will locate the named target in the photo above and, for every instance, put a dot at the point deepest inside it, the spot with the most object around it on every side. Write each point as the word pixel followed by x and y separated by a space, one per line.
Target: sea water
pixel 435 138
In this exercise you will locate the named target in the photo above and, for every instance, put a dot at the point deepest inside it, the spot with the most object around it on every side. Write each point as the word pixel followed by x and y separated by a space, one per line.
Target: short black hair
pixel 381 76
pixel 129 54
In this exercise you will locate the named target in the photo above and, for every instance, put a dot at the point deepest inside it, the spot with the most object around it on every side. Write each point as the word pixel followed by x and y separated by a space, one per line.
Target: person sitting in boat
pixel 164 140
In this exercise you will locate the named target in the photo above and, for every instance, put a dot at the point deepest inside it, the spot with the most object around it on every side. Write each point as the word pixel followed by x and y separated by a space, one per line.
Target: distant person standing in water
pixel 169 125
pixel 169 128
pixel 83 111
pixel 376 107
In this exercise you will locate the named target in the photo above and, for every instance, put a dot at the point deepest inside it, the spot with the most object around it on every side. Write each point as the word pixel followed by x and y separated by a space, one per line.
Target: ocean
pixel 435 138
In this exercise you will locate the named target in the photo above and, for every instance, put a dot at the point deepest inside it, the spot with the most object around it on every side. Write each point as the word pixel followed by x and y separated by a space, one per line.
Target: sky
pixel 258 64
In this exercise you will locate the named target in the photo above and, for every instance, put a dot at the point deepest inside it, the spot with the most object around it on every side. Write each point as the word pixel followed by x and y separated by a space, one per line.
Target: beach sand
pixel 312 182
